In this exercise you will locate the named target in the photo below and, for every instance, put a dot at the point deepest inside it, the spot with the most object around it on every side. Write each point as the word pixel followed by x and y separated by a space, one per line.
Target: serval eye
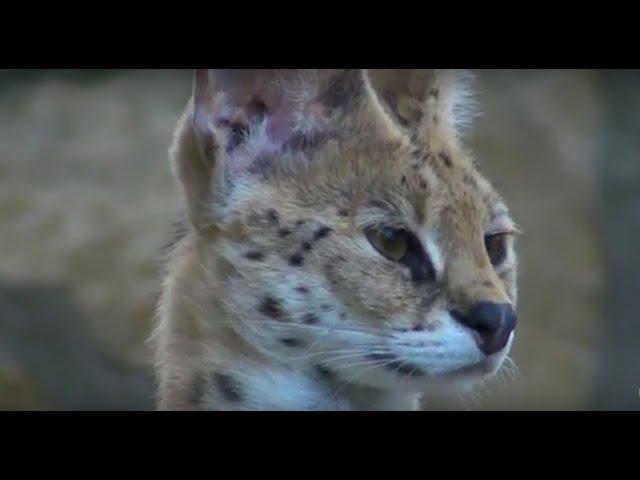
pixel 403 247
pixel 496 246
pixel 389 242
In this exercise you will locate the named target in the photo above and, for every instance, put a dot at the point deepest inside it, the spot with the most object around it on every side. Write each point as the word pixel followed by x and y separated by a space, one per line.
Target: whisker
pixel 374 364
pixel 327 329
pixel 356 354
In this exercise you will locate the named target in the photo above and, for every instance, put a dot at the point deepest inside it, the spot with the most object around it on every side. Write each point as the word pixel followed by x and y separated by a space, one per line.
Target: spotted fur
pixel 274 298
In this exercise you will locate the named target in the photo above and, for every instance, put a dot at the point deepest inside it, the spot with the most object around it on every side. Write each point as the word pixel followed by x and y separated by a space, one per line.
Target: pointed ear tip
pixel 199 74
pixel 201 102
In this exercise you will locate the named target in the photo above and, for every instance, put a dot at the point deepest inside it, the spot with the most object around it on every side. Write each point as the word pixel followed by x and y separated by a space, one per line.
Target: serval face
pixel 339 226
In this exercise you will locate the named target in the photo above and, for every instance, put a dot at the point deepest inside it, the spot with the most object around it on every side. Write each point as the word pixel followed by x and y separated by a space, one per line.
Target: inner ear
pixel 403 92
pixel 422 101
pixel 252 99
pixel 268 109
pixel 255 115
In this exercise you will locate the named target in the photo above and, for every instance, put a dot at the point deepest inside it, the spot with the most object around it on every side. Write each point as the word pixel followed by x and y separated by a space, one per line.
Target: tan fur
pixel 399 162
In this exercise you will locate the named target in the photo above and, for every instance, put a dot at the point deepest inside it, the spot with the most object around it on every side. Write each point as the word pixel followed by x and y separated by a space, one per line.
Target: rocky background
pixel 86 202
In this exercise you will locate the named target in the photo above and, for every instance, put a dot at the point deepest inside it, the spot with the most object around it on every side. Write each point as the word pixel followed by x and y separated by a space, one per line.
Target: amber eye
pixel 403 247
pixel 390 242
pixel 496 246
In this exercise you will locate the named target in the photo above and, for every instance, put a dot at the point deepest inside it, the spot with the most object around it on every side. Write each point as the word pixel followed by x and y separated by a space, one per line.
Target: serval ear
pixel 193 155
pixel 426 102
pixel 239 121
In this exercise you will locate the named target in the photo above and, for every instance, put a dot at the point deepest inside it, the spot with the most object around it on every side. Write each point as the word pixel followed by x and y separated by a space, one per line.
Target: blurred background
pixel 87 202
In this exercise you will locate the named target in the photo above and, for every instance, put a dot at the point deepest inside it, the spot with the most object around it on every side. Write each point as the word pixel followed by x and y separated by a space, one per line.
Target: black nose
pixel 493 322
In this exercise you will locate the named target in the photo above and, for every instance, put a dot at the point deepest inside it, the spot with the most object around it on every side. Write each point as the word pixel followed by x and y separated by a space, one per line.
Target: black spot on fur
pixel 435 93
pixel 322 371
pixel 299 223
pixel 321 233
pixel 423 185
pixel 292 342
pixel 326 308
pixel 273 216
pixel 446 159
pixel 284 232
pixel 403 180
pixel 343 212
pixel 306 246
pixel 417 152
pixel 229 387
pixel 271 308
pixel 256 256
pixel 302 289
pixel 310 319
pixel 296 260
